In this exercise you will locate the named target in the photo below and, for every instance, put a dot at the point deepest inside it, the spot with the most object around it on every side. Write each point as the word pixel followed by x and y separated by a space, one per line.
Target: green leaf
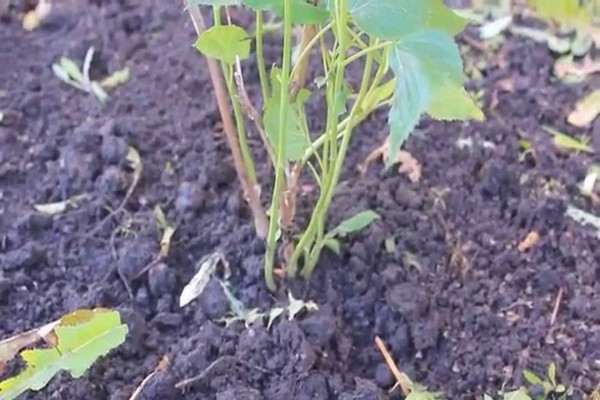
pixel 354 224
pixel 303 12
pixel 332 244
pixel 423 62
pixel 83 337
pixel 224 43
pixel 439 16
pixel 552 373
pixel 531 377
pixel 389 19
pixel 72 69
pixel 296 138
pixel 452 102
pixel 520 394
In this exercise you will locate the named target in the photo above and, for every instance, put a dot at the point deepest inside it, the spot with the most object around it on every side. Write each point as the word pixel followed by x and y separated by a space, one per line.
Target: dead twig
pixel 225 359
pixel 557 302
pixel 389 360
pixel 163 364
pixel 261 222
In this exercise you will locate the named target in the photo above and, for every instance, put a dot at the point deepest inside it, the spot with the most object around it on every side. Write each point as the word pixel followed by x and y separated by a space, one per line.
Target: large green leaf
pixel 296 137
pixel 224 43
pixel 303 12
pixel 423 62
pixel 452 102
pixel 439 16
pixel 82 336
pixel 389 19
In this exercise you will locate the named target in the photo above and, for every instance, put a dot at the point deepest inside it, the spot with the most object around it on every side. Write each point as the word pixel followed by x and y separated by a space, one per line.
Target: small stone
pixel 190 197
pixel 213 300
pixel 5 286
pixel 548 280
pixel 114 149
pixel 142 298
pixel 168 320
pixel 411 300
pixel 135 256
pixel 383 376
pixel 161 280
pixel 407 197
pixel 425 334
pixel 28 256
pixel 319 326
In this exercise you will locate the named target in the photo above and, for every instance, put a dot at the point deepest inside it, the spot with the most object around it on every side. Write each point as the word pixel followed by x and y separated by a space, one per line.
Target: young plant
pixel 412 39
pixel 73 343
pixel 70 73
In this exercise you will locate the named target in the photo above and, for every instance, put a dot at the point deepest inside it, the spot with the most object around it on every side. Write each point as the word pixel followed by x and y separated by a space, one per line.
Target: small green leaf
pixel 566 142
pixel 389 19
pixel 72 69
pixel 303 12
pixel 452 102
pixel 224 43
pixel 213 3
pixel 296 139
pixel 520 394
pixel 99 93
pixel 333 245
pixel 552 373
pixel 354 224
pixel 531 377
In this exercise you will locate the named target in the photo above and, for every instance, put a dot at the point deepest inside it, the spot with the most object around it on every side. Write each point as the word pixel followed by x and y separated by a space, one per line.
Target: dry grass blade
pixel 389 360
pixel 556 307
pixel 163 364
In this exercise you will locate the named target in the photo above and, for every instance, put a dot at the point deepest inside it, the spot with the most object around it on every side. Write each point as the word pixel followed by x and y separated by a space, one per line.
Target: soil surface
pixel 439 278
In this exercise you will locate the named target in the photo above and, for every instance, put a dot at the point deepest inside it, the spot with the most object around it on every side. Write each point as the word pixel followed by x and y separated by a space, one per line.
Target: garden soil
pixel 439 277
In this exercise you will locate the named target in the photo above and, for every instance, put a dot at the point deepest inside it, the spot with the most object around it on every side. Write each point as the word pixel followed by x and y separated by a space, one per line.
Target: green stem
pixel 315 226
pixel 280 165
pixel 309 47
pixel 240 123
pixel 260 59
pixel 368 50
pixel 327 195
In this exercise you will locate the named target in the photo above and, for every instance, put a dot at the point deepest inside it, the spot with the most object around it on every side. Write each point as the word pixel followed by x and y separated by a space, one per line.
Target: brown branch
pixel 400 379
pixel 301 75
pixel 250 191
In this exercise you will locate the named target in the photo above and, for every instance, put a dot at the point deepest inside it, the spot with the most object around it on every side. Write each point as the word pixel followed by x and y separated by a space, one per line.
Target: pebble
pixel 383 376
pixel 190 197
pixel 213 300
pixel 28 256
pixel 161 280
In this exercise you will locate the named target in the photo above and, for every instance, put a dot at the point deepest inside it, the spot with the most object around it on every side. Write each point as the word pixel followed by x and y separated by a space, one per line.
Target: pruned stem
pixel 250 191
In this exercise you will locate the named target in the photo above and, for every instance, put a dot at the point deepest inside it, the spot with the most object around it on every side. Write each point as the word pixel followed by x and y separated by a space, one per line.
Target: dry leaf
pixel 566 67
pixel 10 347
pixel 409 165
pixel 530 240
pixel 586 110
pixel 33 19
pixel 59 207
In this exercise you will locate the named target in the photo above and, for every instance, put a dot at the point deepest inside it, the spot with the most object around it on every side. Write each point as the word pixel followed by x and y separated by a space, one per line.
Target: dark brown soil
pixel 461 309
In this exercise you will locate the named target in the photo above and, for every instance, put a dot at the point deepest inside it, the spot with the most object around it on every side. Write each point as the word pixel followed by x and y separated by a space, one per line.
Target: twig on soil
pixel 556 306
pixel 189 381
pixel 260 217
pixel 163 364
pixel 400 379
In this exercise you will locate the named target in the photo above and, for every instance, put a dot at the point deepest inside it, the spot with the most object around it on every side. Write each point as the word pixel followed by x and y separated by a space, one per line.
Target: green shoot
pixel 75 342
pixel 70 73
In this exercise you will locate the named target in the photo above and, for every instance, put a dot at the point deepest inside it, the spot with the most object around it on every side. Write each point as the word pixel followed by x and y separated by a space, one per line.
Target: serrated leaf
pixel 531 377
pixel 224 43
pixel 78 347
pixel 439 16
pixel 354 224
pixel 303 12
pixel 452 102
pixel 296 141
pixel 389 19
pixel 422 62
